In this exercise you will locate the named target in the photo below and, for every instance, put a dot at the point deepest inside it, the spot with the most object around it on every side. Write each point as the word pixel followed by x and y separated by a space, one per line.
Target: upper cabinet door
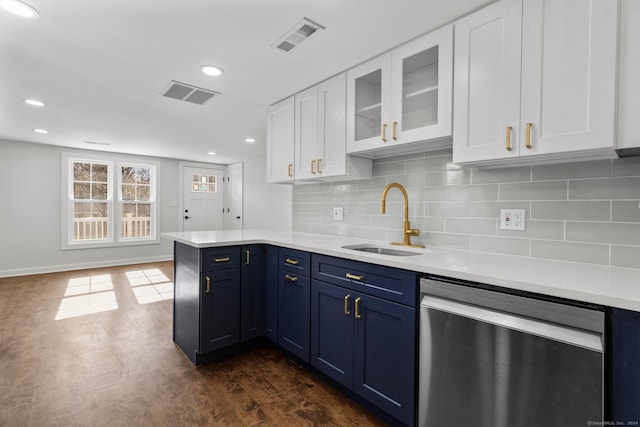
pixel 629 83
pixel 568 75
pixel 368 104
pixel 332 116
pixel 487 81
pixel 421 89
pixel 306 133
pixel 280 141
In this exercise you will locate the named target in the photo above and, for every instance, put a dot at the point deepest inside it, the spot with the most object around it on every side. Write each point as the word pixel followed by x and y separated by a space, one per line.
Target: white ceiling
pixel 100 65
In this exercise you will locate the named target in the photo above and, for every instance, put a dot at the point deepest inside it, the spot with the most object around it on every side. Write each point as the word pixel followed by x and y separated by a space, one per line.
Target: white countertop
pixel 611 286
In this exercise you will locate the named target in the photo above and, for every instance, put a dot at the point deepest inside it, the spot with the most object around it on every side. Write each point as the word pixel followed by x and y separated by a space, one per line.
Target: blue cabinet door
pixel 294 296
pixel 271 309
pixel 624 366
pixel 219 309
pixel 385 345
pixel 252 292
pixel 332 331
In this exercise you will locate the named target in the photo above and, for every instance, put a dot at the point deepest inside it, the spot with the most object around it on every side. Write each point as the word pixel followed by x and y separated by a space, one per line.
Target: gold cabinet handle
pixel 509 138
pixel 291 278
pixel 354 277
pixel 313 167
pixel 289 171
pixel 358 315
pixel 319 165
pixel 528 140
pixel 393 131
pixel 384 132
pixel 225 259
pixel 248 257
pixel 346 305
pixel 208 288
pixel 292 261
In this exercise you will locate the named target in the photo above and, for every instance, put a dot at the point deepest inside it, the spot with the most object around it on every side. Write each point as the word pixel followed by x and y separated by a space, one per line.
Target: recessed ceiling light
pixel 211 70
pixel 20 9
pixel 250 140
pixel 41 131
pixel 211 153
pixel 34 102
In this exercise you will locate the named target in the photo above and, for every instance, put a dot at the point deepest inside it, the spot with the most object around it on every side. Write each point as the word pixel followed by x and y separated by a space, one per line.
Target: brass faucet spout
pixel 407 232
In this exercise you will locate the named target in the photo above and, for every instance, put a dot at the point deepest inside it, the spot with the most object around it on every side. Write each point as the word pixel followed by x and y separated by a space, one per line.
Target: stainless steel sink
pixel 383 250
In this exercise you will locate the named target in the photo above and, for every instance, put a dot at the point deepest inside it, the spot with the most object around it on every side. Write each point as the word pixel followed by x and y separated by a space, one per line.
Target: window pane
pixel 81 191
pixel 89 221
pixel 144 210
pixel 128 192
pixel 136 220
pixel 81 210
pixel 99 210
pixel 128 209
pixel 143 176
pixel 128 174
pixel 204 184
pixel 99 191
pixel 99 173
pixel 143 193
pixel 81 171
pixel 195 178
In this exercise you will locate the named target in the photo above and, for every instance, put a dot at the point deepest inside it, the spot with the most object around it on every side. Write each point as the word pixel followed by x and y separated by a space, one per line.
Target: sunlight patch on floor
pixel 150 285
pixel 87 295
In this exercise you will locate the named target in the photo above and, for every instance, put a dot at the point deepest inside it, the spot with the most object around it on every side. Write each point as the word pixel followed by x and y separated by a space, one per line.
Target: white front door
pixel 203 198
pixel 233 217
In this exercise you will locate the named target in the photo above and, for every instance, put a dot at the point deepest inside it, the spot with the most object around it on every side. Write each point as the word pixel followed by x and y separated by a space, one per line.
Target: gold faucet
pixel 407 231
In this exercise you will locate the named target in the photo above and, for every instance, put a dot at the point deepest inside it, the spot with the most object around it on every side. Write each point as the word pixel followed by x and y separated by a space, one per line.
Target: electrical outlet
pixel 338 214
pixel 512 219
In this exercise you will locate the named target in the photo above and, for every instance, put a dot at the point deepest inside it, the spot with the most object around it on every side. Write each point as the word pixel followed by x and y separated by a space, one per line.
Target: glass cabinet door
pixel 422 87
pixel 368 104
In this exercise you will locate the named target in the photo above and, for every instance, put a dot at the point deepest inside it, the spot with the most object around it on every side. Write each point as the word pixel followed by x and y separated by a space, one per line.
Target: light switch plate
pixel 338 214
pixel 512 219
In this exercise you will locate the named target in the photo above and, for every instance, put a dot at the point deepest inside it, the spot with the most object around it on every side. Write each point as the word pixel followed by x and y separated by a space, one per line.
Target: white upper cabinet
pixel 280 141
pixel 535 81
pixel 403 96
pixel 629 83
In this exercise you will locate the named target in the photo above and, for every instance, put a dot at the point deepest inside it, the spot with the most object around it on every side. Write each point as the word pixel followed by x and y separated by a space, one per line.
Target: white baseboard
pixel 80 266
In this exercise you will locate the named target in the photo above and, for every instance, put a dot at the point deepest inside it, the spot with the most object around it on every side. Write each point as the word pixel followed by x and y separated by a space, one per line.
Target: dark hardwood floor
pixel 94 348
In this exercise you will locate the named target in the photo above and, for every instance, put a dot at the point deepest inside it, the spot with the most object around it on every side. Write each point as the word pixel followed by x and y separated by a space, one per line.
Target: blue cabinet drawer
pixel 214 259
pixel 386 282
pixel 295 261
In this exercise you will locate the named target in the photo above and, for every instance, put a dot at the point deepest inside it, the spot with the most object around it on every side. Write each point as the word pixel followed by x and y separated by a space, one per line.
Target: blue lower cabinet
pixel 294 296
pixel 332 331
pixel 367 344
pixel 271 309
pixel 219 309
pixel 252 292
pixel 624 367
pixel 385 346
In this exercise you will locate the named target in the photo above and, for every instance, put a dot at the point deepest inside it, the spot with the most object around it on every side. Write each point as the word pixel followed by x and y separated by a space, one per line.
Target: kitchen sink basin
pixel 383 250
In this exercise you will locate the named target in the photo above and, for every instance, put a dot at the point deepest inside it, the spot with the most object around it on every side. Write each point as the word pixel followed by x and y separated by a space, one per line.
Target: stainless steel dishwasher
pixel 489 359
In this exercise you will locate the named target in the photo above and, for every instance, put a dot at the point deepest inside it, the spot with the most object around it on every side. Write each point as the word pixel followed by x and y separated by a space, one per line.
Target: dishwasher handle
pixel 573 336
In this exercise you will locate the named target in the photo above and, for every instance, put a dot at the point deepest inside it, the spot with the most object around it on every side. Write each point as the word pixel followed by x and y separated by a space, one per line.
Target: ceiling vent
pixel 296 35
pixel 188 93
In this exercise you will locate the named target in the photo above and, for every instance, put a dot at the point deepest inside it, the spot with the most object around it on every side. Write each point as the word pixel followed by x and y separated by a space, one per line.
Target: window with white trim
pixel 109 202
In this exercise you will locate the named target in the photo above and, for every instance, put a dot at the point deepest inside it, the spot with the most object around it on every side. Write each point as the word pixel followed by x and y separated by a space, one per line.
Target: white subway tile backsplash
pixel 592 169
pixel 544 190
pixel 605 189
pixel 585 212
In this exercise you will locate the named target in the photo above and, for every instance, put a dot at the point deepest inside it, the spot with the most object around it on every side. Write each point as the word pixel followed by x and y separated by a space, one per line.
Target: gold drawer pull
pixel 509 138
pixel 292 261
pixel 225 259
pixel 290 170
pixel 383 132
pixel 528 136
pixel 248 257
pixel 313 167
pixel 358 315
pixel 393 133
pixel 354 277
pixel 208 280
pixel 290 278
pixel 346 305
pixel 319 165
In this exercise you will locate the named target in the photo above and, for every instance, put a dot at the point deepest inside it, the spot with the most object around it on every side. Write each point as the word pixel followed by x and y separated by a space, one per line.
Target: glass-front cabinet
pixel 403 96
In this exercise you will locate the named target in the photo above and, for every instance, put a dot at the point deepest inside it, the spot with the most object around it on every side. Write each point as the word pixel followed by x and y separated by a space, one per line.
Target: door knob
pixel 237 217
pixel 187 217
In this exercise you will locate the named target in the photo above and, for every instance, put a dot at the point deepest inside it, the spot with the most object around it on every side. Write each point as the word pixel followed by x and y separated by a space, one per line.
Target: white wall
pixel 30 210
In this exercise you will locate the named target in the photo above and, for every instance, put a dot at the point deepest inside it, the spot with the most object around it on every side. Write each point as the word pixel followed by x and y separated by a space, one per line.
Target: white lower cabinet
pixel 535 81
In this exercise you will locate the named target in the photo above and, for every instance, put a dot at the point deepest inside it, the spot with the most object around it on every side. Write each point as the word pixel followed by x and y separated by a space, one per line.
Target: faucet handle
pixel 412 232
